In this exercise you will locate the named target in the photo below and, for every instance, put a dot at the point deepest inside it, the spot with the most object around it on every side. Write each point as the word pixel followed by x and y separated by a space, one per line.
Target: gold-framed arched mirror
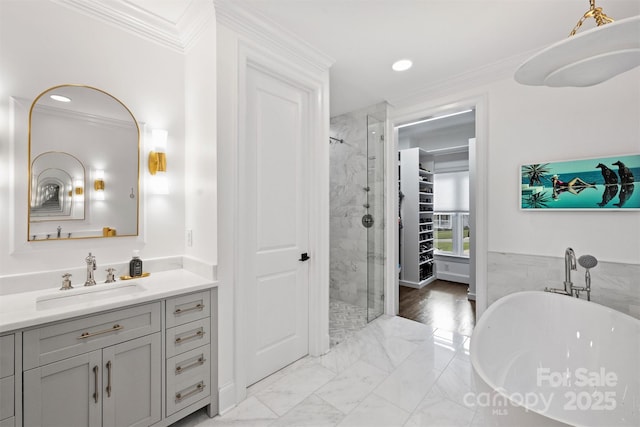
pixel 84 157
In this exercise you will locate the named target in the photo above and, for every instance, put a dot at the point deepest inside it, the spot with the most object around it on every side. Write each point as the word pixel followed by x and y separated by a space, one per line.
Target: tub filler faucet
pixel 91 267
pixel 569 264
pixel 586 261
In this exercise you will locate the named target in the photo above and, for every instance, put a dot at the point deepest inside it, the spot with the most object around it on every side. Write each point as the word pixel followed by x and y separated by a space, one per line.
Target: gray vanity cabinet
pixel 188 351
pixel 133 371
pixel 142 365
pixel 114 385
pixel 61 393
pixel 7 381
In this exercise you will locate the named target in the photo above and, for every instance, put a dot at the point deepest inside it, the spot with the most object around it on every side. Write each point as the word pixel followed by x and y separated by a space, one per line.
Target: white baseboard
pixel 227 398
pixel 417 285
pixel 452 277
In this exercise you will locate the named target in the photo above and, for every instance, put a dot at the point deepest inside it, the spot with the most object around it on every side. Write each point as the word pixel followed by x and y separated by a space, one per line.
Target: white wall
pixel 536 125
pixel 227 153
pixel 454 136
pixel 45 44
pixel 201 208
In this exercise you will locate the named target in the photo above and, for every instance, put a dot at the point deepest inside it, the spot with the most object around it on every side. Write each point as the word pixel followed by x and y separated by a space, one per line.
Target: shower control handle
pixel 304 257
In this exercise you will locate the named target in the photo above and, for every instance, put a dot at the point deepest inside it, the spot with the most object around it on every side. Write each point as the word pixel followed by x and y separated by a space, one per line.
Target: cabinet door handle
pixel 109 378
pixel 181 369
pixel 198 334
pixel 95 379
pixel 195 307
pixel 114 328
pixel 198 388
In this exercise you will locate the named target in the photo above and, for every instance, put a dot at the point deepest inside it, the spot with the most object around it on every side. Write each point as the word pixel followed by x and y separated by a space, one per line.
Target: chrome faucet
pixel 91 267
pixel 66 283
pixel 586 261
pixel 569 264
pixel 111 278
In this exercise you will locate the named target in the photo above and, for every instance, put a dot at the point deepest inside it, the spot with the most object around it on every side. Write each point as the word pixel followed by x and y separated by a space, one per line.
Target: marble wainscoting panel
pixel 615 285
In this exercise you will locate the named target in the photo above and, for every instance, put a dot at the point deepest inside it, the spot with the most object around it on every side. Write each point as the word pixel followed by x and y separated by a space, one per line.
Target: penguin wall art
pixel 602 183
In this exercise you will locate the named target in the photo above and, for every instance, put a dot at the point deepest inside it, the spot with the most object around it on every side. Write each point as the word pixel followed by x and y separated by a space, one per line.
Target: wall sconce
pixel 98 184
pixel 158 162
pixel 157 156
pixel 78 185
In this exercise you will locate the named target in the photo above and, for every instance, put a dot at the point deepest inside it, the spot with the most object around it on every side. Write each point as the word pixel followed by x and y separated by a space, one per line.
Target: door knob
pixel 304 257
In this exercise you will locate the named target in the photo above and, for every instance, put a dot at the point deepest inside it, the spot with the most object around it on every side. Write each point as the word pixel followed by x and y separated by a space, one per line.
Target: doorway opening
pixel 435 227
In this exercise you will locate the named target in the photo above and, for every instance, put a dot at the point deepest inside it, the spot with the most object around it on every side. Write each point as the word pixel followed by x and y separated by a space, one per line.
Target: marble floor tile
pixel 456 380
pixel 268 381
pixel 375 411
pixel 407 385
pixel 395 326
pixel 393 372
pixel 295 387
pixel 343 356
pixel 313 411
pixel 250 412
pixel 438 411
pixel 350 387
pixel 384 351
pixel 433 356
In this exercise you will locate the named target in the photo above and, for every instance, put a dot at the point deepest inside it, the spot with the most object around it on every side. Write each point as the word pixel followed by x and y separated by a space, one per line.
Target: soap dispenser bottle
pixel 135 265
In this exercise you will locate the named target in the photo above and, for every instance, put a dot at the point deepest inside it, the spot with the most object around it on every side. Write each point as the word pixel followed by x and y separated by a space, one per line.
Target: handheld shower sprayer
pixel 587 262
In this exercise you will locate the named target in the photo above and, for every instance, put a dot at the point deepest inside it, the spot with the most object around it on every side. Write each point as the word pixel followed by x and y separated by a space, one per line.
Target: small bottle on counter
pixel 135 265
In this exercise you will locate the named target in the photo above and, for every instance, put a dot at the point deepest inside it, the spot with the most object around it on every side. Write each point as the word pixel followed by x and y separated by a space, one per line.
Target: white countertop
pixel 27 309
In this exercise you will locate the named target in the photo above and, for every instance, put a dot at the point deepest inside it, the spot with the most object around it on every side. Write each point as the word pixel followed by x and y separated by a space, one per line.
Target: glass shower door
pixel 375 208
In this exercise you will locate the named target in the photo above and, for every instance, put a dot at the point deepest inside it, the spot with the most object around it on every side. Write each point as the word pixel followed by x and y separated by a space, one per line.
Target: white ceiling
pixel 446 39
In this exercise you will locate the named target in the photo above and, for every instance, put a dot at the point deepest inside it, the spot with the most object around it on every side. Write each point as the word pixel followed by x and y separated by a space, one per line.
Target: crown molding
pixel 178 36
pixel 496 71
pixel 255 26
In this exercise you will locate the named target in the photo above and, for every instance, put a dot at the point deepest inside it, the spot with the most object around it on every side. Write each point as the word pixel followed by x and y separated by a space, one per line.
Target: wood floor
pixel 440 304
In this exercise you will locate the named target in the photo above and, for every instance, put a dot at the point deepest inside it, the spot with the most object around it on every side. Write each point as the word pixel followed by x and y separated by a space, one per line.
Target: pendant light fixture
pixel 588 58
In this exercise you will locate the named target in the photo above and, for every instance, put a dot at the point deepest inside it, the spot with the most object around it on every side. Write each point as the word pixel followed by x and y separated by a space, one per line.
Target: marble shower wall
pixel 348 179
pixel 615 285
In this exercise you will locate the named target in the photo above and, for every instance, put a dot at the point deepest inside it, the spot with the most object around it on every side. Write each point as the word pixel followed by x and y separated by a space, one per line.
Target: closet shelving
pixel 416 250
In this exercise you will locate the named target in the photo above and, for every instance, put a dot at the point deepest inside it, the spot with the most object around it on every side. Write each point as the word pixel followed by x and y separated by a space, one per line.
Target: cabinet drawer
pixel 191 385
pixel 9 422
pixel 6 356
pixel 62 340
pixel 7 394
pixel 193 363
pixel 188 336
pixel 187 308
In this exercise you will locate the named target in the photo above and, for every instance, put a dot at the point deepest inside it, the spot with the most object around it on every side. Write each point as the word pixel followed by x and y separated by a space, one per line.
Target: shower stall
pixel 357 220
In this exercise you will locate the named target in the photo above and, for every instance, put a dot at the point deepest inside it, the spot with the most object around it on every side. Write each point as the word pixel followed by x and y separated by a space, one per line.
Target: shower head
pixel 587 261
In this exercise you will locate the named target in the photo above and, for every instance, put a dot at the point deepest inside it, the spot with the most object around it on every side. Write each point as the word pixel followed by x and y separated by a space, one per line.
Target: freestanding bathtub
pixel 543 359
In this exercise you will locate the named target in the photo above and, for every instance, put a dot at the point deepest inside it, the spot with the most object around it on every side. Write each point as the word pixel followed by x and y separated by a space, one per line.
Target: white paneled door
pixel 275 222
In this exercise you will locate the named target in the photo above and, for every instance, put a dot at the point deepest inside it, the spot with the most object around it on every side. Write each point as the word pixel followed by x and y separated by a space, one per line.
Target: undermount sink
pixel 86 294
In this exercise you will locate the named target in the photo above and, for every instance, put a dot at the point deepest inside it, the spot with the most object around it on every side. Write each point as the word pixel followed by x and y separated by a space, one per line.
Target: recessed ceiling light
pixel 60 98
pixel 402 65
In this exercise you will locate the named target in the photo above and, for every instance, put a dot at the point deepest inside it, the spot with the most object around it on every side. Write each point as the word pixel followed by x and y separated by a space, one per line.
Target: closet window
pixel 451 213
